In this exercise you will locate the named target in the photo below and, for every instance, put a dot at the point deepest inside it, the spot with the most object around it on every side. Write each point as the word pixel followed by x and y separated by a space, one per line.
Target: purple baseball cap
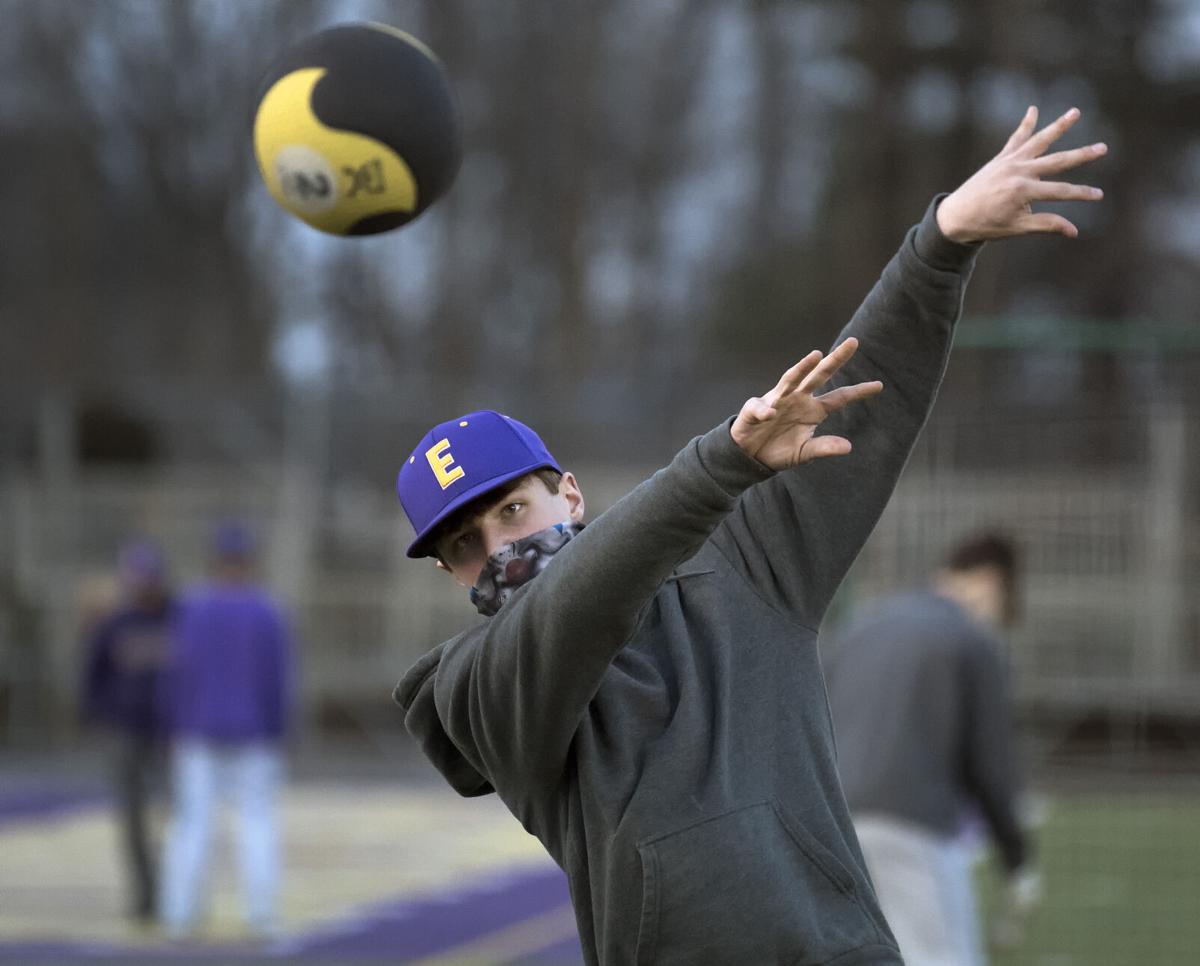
pixel 141 562
pixel 460 460
pixel 233 540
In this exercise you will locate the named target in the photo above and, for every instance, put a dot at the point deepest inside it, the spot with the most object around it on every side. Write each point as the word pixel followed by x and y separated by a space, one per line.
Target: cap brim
pixel 417 548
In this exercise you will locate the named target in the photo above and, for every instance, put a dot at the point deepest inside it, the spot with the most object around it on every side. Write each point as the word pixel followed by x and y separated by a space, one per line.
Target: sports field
pixel 375 873
pixel 381 872
pixel 1122 883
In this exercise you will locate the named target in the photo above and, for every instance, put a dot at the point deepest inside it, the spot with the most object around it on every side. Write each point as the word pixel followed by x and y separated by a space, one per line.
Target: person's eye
pixel 513 507
pixel 463 540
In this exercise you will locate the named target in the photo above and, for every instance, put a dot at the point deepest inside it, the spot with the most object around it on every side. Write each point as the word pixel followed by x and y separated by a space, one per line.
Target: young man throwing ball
pixel 651 706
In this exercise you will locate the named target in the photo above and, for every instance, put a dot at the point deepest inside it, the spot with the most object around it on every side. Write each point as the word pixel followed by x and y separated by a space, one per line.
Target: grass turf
pixel 1121 884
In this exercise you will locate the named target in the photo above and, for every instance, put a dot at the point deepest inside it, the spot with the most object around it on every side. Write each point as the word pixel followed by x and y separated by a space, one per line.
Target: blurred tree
pixel 135 277
pixel 654 195
pixel 937 89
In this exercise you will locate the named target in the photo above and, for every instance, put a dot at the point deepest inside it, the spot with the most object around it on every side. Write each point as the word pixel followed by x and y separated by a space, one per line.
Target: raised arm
pixel 511 694
pixel 795 537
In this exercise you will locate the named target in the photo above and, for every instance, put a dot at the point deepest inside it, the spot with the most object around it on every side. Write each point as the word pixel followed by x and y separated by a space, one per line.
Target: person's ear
pixel 569 488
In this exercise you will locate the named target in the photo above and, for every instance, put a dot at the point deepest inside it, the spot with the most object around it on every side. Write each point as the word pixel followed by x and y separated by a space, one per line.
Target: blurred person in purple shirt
pixel 125 654
pixel 226 697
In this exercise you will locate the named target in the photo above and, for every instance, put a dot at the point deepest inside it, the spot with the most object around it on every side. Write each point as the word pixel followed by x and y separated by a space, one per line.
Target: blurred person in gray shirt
pixel 919 694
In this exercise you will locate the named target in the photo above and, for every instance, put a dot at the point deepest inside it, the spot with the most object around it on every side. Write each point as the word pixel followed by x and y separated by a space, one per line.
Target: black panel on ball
pixel 374 224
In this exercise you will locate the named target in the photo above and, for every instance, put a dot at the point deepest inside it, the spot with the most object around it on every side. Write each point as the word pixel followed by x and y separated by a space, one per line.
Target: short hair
pixel 990 549
pixel 550 478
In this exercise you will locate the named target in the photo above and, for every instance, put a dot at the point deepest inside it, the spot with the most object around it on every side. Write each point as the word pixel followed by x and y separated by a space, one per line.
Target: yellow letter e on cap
pixel 440 461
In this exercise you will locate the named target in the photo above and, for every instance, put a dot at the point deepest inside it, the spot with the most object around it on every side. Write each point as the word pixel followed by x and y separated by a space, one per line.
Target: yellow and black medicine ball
pixel 356 130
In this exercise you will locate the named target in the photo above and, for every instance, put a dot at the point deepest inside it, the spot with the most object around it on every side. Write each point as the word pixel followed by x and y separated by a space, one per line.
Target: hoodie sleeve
pixel 796 537
pixel 97 676
pixel 510 694
pixel 277 671
pixel 990 753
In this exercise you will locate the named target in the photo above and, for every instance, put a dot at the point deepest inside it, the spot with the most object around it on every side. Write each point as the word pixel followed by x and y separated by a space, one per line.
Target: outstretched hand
pixel 996 201
pixel 778 429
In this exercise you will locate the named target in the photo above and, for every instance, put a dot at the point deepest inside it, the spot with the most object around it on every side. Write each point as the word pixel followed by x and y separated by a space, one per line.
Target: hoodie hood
pixel 415 694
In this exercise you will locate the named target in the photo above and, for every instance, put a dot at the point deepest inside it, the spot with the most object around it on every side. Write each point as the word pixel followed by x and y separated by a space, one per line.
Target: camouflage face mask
pixel 516 564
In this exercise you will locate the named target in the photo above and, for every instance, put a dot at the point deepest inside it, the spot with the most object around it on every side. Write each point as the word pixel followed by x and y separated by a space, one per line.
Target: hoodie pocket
pixel 750 886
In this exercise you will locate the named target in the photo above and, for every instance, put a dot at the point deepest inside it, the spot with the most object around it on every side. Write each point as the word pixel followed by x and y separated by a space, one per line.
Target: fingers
pixel 1063 191
pixel 828 366
pixel 1038 143
pixel 1044 222
pixel 837 399
pixel 821 446
pixel 1062 161
pixel 795 375
pixel 756 410
pixel 1024 129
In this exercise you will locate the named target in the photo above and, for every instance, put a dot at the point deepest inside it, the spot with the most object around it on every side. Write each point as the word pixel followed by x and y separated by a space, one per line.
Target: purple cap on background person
pixel 233 541
pixel 141 562
pixel 460 460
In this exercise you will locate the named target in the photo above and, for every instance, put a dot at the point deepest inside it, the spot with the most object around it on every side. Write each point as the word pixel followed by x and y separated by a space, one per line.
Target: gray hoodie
pixel 920 700
pixel 652 708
